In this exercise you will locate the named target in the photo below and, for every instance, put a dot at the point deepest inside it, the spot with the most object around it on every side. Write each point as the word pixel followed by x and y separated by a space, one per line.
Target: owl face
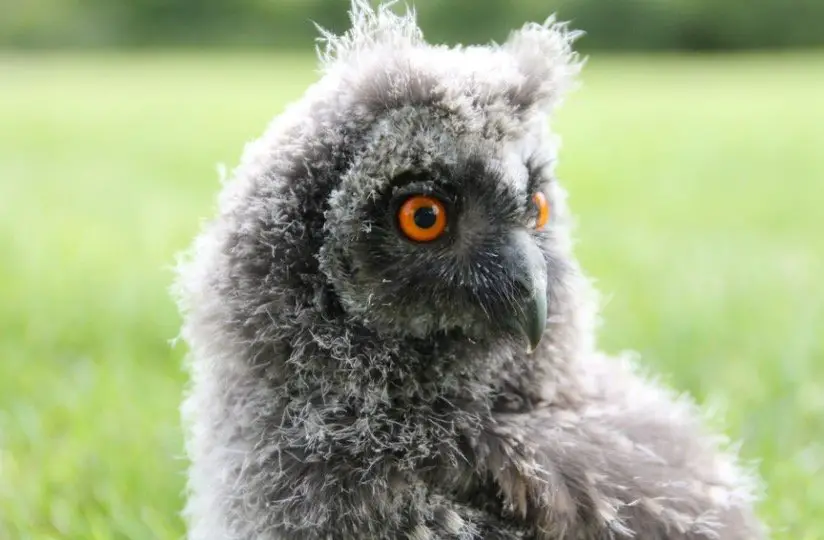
pixel 443 215
pixel 436 228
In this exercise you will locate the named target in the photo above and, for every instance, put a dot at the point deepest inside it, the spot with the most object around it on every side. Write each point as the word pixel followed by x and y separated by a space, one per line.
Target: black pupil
pixel 425 217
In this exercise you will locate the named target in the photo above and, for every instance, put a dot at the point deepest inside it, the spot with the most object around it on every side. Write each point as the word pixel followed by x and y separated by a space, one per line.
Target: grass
pixel 698 182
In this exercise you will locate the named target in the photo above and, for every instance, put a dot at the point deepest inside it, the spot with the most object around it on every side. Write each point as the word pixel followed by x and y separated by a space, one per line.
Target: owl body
pixel 351 381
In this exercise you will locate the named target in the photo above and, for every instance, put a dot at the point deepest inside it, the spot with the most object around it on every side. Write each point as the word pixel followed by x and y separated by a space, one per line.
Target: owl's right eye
pixel 422 218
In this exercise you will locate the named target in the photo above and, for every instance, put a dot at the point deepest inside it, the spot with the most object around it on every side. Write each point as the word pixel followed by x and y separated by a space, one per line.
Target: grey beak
pixel 528 266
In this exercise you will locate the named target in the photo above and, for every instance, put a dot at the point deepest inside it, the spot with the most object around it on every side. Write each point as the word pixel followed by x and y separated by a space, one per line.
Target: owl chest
pixel 370 443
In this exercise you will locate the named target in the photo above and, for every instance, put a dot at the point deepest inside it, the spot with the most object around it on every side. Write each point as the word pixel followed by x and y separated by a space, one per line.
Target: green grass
pixel 699 186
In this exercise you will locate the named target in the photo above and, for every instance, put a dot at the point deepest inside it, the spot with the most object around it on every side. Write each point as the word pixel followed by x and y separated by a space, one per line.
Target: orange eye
pixel 543 209
pixel 422 218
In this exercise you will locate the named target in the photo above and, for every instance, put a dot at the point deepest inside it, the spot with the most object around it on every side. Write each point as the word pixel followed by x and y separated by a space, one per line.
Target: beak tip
pixel 532 330
pixel 532 344
pixel 535 325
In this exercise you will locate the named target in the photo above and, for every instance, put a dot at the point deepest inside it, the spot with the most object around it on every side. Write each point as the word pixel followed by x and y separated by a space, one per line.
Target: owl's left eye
pixel 542 206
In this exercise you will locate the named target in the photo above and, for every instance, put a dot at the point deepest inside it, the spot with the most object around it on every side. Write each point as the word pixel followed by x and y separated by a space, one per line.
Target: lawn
pixel 698 183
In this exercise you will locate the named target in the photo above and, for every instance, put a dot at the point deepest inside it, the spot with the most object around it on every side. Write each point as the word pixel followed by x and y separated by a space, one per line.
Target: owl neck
pixel 360 365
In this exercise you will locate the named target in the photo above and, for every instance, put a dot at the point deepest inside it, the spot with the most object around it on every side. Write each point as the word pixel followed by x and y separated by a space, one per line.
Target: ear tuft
pixel 547 61
pixel 371 28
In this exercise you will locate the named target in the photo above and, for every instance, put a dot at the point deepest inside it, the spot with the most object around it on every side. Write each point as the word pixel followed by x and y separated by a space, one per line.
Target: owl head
pixel 408 194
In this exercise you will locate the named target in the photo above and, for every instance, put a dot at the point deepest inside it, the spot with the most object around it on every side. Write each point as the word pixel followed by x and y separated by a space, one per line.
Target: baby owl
pixel 391 339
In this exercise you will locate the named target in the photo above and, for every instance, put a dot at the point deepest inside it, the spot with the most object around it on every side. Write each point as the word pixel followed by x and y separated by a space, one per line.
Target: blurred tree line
pixel 609 24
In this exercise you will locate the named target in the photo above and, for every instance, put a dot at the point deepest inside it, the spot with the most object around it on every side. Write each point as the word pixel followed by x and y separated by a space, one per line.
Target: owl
pixel 390 336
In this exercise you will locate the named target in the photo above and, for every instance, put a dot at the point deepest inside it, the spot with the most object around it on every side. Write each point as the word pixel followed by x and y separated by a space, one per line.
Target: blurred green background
pixel 698 180
pixel 612 24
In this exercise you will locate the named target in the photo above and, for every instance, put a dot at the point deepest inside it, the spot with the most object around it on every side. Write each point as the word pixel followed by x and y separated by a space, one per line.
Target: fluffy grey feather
pixel 349 383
